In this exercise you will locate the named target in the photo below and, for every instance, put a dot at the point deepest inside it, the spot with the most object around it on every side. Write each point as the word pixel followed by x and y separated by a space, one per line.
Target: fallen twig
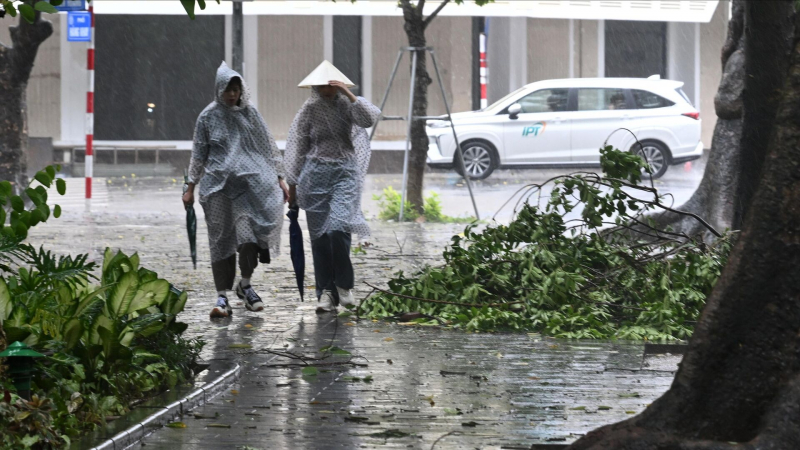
pixel 444 302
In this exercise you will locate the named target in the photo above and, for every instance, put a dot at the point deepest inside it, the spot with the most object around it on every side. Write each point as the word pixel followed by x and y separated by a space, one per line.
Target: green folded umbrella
pixel 191 223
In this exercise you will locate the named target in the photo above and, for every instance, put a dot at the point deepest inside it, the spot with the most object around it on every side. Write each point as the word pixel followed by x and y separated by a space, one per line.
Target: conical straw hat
pixel 323 74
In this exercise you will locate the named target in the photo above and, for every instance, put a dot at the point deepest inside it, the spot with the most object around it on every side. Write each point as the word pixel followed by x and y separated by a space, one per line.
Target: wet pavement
pixel 426 387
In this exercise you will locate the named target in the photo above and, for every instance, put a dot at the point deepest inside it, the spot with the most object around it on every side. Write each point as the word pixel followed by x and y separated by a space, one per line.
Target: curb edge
pixel 198 397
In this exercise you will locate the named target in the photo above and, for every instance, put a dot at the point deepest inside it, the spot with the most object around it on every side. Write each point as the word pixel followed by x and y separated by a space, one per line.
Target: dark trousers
pixel 225 270
pixel 332 266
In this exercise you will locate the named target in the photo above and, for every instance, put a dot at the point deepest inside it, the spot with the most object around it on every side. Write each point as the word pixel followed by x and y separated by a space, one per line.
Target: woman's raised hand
pixel 343 89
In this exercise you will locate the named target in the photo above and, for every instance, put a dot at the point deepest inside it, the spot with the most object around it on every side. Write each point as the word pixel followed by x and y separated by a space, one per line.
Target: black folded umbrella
pixel 296 244
pixel 191 224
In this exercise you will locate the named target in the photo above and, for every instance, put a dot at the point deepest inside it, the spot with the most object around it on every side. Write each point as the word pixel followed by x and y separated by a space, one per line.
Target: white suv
pixel 565 122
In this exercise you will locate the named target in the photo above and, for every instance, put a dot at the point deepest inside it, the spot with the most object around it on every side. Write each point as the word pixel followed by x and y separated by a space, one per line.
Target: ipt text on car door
pixel 540 132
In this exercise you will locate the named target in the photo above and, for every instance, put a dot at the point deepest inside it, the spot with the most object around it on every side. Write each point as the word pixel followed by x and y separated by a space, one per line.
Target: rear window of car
pixel 683 95
pixel 649 100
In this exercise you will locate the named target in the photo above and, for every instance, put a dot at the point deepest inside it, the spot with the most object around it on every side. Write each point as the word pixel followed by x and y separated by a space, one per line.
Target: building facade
pixel 155 72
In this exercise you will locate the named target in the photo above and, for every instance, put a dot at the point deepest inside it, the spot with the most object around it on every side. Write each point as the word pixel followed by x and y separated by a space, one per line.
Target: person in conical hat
pixel 327 155
pixel 240 171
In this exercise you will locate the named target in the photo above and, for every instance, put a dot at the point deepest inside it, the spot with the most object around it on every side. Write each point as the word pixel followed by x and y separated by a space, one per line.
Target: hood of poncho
pixel 224 76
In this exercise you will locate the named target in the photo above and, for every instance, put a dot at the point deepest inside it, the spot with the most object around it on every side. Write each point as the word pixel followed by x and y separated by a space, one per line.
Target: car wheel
pixel 655 154
pixel 480 160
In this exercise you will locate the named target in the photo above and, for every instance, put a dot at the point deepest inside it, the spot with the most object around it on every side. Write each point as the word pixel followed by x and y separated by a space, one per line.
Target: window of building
pixel 594 99
pixel 347 48
pixel 648 100
pixel 152 78
pixel 635 49
pixel 545 100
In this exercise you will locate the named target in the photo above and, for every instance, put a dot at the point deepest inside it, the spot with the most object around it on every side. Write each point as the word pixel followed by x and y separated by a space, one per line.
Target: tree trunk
pixel 736 157
pixel 714 198
pixel 415 31
pixel 739 382
pixel 16 63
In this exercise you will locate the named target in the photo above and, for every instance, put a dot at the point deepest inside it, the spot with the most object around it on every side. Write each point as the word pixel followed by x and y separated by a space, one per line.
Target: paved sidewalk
pixel 451 389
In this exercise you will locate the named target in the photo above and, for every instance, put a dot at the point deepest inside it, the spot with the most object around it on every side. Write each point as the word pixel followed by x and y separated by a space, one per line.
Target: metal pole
pixel 89 155
pixel 453 127
pixel 408 133
pixel 237 51
pixel 388 88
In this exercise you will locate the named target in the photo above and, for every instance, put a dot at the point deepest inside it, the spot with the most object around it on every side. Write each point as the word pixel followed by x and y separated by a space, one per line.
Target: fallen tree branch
pixel 444 302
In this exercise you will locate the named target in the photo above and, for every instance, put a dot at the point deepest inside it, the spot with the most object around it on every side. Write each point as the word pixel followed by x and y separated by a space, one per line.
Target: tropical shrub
pixel 607 272
pixel 109 339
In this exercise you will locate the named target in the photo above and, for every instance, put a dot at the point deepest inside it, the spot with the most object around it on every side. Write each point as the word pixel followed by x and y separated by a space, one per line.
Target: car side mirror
pixel 514 110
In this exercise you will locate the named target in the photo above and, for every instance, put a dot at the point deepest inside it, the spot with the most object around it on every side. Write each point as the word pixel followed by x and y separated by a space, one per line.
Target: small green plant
pixel 107 344
pixel 389 203
pixel 589 264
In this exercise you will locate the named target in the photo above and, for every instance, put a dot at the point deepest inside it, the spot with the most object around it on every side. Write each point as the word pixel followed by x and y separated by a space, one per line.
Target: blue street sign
pixel 72 5
pixel 79 26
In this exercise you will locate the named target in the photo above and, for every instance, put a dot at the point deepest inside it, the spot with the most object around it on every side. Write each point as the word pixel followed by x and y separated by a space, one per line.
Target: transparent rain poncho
pixel 237 164
pixel 327 156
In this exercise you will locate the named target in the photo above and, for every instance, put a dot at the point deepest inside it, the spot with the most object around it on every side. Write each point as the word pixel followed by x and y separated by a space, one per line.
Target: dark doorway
pixel 635 49
pixel 347 48
pixel 154 74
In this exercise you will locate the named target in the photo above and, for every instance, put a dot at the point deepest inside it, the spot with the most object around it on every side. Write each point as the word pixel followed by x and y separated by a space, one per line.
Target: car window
pixel 508 96
pixel 545 100
pixel 648 100
pixel 683 94
pixel 601 99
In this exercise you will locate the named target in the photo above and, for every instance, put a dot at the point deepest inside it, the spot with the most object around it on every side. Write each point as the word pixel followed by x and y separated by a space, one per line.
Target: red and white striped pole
pixel 484 101
pixel 89 166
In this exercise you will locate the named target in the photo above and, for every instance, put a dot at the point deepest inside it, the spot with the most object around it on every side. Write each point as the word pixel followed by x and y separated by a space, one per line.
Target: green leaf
pixel 72 333
pixel 202 4
pixel 31 439
pixel 56 3
pixel 61 186
pixel 45 7
pixel 34 196
pixel 110 342
pixel 310 371
pixel 188 5
pixel 5 301
pixel 17 203
pixel 122 294
pixel 57 211
pixel 9 7
pixel 42 176
pixel 5 188
pixel 28 13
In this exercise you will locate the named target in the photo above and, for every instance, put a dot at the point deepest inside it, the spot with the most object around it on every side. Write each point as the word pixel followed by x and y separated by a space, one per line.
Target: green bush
pixel 570 278
pixel 108 340
pixel 389 203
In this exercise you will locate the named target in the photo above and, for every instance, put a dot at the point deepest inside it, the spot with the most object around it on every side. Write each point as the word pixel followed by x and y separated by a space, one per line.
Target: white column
pixel 366 57
pixel 601 48
pixel 518 57
pixel 672 51
pixel 229 39
pixel 327 37
pixel 73 90
pixel 571 48
pixel 250 65
pixel 697 66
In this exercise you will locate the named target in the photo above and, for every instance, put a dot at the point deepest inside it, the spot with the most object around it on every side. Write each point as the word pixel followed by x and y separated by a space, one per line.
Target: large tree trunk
pixel 16 63
pixel 740 379
pixel 752 76
pixel 414 27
